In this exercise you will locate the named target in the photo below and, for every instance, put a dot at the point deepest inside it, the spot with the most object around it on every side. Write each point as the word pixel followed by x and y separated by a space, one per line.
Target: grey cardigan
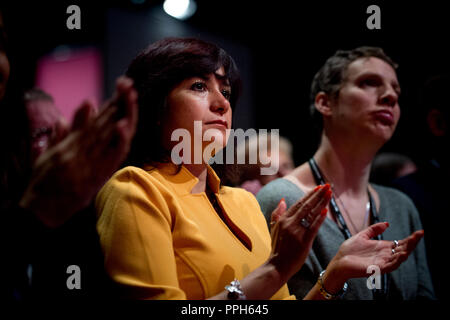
pixel 410 281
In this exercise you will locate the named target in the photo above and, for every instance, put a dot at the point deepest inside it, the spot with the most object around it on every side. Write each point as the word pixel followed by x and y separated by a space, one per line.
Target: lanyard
pixel 378 293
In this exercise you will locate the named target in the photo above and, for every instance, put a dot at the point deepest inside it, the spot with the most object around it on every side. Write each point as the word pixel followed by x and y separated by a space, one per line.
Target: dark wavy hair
pixel 333 74
pixel 155 72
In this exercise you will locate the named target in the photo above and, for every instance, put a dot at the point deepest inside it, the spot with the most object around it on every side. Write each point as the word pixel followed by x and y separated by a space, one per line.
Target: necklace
pixel 338 198
pixel 379 294
pixel 366 215
pixel 318 176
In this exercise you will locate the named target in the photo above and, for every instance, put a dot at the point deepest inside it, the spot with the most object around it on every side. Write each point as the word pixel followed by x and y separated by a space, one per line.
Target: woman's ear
pixel 322 103
pixel 436 123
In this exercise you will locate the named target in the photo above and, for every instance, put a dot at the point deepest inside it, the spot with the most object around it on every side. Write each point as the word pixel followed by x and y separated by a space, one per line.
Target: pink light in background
pixel 71 76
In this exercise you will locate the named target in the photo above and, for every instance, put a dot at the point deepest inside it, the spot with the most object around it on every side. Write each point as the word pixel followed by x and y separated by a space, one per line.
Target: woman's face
pixel 201 99
pixel 367 103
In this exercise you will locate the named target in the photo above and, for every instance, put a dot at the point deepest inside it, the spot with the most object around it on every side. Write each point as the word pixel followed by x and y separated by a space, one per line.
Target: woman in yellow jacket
pixel 170 230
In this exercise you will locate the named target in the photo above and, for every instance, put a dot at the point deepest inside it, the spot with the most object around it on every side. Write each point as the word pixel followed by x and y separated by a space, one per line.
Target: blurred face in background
pixel 285 166
pixel 4 62
pixel 4 73
pixel 42 118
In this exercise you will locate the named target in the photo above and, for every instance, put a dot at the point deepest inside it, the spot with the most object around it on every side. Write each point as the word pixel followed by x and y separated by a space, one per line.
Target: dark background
pixel 278 45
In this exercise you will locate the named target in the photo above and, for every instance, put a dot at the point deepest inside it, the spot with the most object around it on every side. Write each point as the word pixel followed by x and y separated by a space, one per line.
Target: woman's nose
pixel 219 103
pixel 389 97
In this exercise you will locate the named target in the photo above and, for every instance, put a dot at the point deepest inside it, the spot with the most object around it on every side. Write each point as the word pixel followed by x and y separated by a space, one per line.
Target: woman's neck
pixel 200 171
pixel 346 164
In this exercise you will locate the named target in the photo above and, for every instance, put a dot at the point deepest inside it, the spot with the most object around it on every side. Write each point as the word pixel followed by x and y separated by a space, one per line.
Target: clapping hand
pixel 293 231
pixel 357 253
pixel 81 159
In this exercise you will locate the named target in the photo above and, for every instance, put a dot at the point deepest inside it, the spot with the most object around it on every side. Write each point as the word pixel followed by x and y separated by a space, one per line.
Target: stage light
pixel 180 9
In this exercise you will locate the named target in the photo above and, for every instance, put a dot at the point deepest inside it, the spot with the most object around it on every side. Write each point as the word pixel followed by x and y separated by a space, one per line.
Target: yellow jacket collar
pixel 184 181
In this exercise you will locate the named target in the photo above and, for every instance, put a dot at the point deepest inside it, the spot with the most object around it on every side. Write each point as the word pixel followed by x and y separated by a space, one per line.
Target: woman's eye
pixel 198 86
pixel 370 82
pixel 226 94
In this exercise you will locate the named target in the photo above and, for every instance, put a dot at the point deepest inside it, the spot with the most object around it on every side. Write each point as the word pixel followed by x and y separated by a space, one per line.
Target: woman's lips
pixel 219 123
pixel 385 117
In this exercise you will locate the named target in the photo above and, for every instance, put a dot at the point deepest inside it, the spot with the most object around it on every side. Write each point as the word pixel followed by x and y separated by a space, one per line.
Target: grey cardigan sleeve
pixel 405 219
pixel 425 285
pixel 270 195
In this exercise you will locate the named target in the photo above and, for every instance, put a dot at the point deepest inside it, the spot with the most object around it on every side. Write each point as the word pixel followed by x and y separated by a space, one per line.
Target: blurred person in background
pixel 250 177
pixel 43 116
pixel 43 197
pixel 388 166
pixel 428 187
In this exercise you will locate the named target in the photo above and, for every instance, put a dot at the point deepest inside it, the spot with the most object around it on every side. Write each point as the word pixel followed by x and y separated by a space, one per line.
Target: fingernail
pixel 282 200
pixel 329 193
pixel 317 188
pixel 324 211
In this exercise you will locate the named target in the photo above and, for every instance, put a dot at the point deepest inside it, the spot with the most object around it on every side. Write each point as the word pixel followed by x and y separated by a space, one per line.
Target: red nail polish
pixel 317 188
pixel 324 211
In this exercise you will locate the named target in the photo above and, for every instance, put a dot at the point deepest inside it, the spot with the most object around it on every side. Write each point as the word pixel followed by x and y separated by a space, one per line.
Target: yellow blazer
pixel 160 241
